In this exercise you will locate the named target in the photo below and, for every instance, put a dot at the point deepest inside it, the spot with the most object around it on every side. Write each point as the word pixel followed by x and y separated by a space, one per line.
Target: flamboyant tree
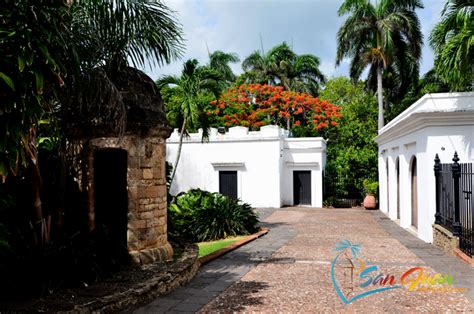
pixel 256 105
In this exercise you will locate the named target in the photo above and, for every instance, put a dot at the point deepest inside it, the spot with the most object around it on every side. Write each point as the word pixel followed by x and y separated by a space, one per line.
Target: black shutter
pixel 302 187
pixel 228 183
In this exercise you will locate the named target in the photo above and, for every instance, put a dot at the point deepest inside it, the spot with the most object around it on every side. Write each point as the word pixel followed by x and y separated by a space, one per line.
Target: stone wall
pixel 444 239
pixel 147 192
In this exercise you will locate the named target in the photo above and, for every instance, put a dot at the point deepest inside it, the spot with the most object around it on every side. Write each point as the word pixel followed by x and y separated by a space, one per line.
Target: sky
pixel 243 26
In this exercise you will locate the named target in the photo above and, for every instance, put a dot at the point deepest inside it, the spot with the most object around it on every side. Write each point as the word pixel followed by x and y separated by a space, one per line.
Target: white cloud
pixel 310 26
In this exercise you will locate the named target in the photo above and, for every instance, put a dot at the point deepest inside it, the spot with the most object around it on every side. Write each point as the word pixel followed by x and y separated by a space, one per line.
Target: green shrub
pixel 203 216
pixel 370 187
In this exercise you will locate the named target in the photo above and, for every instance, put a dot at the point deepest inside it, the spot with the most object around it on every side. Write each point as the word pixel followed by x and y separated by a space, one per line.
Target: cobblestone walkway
pixel 289 269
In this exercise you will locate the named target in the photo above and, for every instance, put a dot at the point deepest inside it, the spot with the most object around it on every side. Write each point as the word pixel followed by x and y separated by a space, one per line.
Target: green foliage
pixel 202 216
pixel 351 149
pixel 370 187
pixel 282 66
pixel 173 102
pixel 385 36
pixel 429 83
pixel 34 45
pixel 453 42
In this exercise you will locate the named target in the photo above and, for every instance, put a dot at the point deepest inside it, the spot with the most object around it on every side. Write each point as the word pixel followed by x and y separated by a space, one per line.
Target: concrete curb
pixel 206 259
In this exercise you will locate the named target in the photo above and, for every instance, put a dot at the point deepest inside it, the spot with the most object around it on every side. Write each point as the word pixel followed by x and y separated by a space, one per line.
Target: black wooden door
pixel 228 183
pixel 302 187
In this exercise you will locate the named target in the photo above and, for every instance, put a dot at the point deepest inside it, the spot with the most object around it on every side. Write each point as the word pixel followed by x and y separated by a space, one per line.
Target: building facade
pixel 436 124
pixel 265 168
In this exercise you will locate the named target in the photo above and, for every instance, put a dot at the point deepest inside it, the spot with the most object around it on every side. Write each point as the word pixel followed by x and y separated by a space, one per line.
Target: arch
pixel 388 186
pixel 414 192
pixel 397 171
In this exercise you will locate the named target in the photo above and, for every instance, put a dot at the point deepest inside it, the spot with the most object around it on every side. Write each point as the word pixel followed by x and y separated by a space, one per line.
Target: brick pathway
pixel 288 270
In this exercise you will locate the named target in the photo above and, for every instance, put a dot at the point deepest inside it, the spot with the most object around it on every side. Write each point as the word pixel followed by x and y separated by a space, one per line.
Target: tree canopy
pixel 384 36
pixel 282 66
pixel 453 42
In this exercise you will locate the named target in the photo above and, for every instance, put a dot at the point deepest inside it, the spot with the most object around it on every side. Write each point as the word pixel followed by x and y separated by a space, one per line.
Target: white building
pixel 264 168
pixel 435 124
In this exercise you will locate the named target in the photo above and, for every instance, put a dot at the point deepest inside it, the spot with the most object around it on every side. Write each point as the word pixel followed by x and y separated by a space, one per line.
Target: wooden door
pixel 302 187
pixel 228 183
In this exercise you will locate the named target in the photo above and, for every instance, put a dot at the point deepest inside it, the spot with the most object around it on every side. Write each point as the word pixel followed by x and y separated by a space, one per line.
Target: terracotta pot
pixel 370 202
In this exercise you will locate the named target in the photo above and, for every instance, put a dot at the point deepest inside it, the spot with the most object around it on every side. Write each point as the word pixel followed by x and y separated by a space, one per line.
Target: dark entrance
pixel 302 187
pixel 228 183
pixel 414 194
pixel 111 201
pixel 397 167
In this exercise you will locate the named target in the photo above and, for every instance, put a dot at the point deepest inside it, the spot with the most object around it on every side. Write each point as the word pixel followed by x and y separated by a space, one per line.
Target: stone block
pixel 147 174
pixel 162 190
pixel 137 224
pixel 135 257
pixel 147 257
pixel 152 191
pixel 147 215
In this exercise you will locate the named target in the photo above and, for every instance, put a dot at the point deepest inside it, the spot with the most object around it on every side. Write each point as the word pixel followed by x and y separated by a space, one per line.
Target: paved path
pixel 288 270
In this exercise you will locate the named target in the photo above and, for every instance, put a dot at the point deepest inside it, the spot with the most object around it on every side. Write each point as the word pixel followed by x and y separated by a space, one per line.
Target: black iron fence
pixel 454 206
pixel 340 192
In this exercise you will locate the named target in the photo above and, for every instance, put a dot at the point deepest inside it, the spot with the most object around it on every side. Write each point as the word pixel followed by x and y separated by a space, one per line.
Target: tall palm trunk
pixel 380 96
pixel 180 145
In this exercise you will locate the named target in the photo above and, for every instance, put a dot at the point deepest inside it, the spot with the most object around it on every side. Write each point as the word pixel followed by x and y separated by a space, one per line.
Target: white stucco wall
pixel 264 162
pixel 436 124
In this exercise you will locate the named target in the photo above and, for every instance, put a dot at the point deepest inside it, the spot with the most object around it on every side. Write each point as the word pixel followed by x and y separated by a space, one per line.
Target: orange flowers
pixel 255 105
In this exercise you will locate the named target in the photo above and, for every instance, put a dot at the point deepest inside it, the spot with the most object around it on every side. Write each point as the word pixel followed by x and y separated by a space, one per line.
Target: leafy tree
pixel 429 83
pixel 219 61
pixel 385 35
pixel 53 52
pixel 453 42
pixel 351 149
pixel 282 66
pixel 194 81
pixel 255 105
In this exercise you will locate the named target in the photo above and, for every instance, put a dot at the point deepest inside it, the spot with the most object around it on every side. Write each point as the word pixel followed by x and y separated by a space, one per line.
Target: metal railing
pixel 454 206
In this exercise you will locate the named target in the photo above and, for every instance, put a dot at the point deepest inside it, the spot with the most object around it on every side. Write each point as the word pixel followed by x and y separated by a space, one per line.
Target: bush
pixel 204 216
pixel 370 187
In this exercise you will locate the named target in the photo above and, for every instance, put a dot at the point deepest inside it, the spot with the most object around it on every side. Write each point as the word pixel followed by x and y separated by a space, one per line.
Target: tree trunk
pixel 178 154
pixel 41 226
pixel 380 96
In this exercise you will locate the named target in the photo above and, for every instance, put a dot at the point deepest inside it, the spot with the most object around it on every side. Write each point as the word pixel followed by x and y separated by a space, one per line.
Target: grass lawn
pixel 206 248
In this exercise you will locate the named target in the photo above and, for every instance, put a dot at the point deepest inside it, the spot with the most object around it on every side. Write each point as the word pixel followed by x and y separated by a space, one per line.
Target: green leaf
pixel 21 63
pixel 39 81
pixel 3 169
pixel 7 80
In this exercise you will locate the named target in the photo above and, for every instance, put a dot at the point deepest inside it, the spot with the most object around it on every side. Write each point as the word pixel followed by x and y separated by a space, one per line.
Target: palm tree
pixel 383 35
pixel 73 44
pixel 453 42
pixel 194 80
pixel 282 66
pixel 219 61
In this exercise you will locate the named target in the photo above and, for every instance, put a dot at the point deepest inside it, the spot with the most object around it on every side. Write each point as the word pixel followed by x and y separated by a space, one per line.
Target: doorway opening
pixel 302 187
pixel 414 194
pixel 111 201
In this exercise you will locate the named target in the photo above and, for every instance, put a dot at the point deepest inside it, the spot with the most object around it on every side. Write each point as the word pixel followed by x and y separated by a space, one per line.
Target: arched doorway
pixel 414 193
pixel 397 169
pixel 388 188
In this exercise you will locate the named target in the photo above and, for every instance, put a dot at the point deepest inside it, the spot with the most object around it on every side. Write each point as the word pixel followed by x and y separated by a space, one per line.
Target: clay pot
pixel 370 202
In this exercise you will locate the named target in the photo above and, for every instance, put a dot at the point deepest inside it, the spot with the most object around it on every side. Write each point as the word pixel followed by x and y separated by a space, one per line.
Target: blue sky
pixel 310 26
